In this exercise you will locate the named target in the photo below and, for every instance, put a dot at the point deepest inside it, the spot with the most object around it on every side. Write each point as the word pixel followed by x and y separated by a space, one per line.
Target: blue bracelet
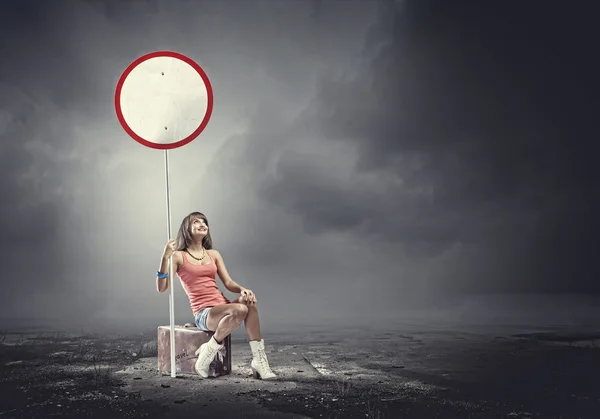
pixel 158 274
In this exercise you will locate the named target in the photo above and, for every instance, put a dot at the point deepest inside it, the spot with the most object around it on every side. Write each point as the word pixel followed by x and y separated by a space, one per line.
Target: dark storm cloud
pixel 90 182
pixel 41 78
pixel 484 116
pixel 39 56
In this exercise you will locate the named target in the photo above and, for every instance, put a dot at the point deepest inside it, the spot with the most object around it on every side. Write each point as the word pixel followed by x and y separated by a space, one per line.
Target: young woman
pixel 196 263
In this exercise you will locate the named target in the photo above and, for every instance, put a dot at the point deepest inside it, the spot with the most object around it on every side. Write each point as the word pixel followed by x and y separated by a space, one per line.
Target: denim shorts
pixel 200 319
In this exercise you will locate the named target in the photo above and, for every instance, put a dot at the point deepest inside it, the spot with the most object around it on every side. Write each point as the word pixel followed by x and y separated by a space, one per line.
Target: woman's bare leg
pixel 225 318
pixel 260 364
pixel 251 322
pixel 222 319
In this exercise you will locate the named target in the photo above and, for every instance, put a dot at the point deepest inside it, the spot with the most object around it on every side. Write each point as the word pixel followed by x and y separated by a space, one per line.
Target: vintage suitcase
pixel 188 338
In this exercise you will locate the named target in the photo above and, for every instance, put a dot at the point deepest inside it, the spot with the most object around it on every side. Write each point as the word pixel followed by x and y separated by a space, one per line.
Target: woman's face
pixel 198 228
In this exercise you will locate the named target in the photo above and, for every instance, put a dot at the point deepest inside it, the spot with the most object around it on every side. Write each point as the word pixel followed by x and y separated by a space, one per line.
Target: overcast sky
pixel 362 156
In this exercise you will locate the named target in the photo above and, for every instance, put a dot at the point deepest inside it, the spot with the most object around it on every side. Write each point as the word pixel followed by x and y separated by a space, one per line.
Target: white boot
pixel 206 354
pixel 260 364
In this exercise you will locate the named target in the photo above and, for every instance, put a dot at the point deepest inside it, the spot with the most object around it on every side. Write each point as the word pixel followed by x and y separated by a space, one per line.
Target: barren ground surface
pixel 426 373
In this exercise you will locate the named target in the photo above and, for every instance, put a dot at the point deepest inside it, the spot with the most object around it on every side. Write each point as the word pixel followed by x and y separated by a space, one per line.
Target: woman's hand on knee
pixel 242 300
pixel 247 296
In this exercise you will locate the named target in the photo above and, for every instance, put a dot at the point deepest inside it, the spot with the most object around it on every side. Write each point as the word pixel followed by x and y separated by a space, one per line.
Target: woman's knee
pixel 239 311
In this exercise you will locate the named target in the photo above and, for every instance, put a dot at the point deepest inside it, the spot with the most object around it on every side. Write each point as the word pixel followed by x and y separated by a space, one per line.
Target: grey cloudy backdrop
pixel 362 157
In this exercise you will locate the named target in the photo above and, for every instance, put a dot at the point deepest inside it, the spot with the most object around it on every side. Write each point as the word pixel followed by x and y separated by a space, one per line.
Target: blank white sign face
pixel 163 101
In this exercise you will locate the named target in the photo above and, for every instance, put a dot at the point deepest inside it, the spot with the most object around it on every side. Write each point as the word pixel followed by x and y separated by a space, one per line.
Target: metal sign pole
pixel 132 120
pixel 171 284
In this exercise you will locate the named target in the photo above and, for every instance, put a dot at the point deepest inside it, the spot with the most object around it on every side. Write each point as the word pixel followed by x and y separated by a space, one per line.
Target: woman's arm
pixel 162 284
pixel 229 283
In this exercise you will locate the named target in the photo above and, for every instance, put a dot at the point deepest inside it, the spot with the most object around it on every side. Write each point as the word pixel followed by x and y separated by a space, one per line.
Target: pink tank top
pixel 200 285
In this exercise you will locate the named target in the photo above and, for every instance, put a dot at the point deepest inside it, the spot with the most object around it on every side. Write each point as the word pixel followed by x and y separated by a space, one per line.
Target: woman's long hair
pixel 184 239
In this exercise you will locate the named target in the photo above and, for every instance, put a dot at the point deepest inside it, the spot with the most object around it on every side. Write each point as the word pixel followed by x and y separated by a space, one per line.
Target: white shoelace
pixel 209 353
pixel 264 362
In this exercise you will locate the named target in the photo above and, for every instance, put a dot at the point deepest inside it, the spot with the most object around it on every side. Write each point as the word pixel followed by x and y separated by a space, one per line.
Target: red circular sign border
pixel 190 137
